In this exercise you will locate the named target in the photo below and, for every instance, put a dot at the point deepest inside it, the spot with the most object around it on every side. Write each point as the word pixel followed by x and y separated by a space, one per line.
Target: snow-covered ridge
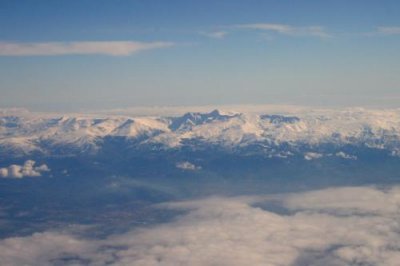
pixel 25 133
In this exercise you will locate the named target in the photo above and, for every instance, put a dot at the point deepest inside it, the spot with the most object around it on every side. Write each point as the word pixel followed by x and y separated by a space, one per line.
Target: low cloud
pixel 187 166
pixel 312 156
pixel 346 156
pixel 28 169
pixel 340 226
pixel 113 48
pixel 289 30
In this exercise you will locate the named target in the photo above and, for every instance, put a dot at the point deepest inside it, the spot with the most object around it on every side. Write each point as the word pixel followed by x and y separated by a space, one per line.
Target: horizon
pixel 178 110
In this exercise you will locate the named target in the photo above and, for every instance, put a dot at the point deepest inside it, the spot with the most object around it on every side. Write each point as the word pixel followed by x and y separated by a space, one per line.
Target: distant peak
pixel 215 112
pixel 191 119
pixel 280 119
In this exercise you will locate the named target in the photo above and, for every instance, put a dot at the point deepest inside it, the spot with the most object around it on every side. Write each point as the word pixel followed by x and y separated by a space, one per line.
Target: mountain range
pixel 311 133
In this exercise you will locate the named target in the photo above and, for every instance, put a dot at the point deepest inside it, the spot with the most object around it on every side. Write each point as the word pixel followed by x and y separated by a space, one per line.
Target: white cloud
pixel 187 166
pixel 314 31
pixel 346 156
pixel 48 248
pixel 360 200
pixel 28 169
pixel 343 226
pixel 215 34
pixel 312 156
pixel 3 172
pixel 114 48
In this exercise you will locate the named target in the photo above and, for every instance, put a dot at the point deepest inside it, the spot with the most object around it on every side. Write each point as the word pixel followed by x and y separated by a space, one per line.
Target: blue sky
pixel 69 55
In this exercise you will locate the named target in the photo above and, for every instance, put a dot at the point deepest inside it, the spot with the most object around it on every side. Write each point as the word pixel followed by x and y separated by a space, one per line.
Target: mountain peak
pixel 215 112
pixel 191 119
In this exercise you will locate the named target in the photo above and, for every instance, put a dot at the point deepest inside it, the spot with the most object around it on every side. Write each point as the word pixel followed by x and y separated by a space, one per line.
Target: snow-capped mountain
pixel 269 133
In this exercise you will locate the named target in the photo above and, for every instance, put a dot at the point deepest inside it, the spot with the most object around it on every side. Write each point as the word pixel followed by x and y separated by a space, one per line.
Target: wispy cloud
pixel 215 34
pixel 388 30
pixel 113 48
pixel 314 31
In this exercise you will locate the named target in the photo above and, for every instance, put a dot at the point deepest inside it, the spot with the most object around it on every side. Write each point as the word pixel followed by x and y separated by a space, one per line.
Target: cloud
pixel 48 248
pixel 384 31
pixel 215 34
pixel 28 169
pixel 346 156
pixel 113 48
pixel 187 166
pixel 350 200
pixel 312 155
pixel 337 226
pixel 313 31
pixel 388 30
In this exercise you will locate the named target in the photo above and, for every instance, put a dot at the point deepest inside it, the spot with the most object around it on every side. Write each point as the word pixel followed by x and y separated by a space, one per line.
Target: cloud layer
pixel 28 169
pixel 343 226
pixel 113 48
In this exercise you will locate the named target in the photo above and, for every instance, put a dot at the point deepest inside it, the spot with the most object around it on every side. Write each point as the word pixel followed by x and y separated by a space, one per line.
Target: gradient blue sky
pixel 69 55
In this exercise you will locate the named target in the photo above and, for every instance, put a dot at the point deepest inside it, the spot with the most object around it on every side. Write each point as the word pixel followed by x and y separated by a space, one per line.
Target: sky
pixel 94 55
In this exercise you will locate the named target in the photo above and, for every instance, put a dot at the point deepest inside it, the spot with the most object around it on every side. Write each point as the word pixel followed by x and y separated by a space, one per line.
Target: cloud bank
pixel 113 48
pixel 341 226
pixel 28 169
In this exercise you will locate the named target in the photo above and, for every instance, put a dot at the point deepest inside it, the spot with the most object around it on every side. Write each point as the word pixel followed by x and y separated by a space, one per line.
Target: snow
pixel 24 133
